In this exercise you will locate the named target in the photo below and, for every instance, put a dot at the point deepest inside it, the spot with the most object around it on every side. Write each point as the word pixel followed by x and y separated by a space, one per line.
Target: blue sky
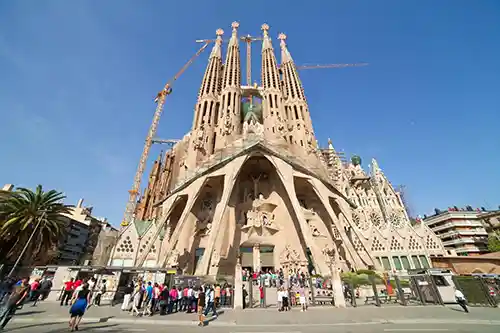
pixel 77 80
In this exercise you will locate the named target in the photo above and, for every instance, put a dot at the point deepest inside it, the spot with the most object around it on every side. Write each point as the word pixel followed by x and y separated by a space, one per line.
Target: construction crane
pixel 160 100
pixel 249 39
pixel 360 64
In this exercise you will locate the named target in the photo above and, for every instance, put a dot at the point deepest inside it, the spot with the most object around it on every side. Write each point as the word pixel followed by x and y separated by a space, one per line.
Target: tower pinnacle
pixel 267 41
pixel 216 50
pixel 285 55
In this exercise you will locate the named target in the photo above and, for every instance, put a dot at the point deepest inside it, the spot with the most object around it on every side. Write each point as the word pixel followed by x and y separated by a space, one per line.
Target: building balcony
pixel 465 240
pixel 473 249
pixel 471 232
pixel 455 224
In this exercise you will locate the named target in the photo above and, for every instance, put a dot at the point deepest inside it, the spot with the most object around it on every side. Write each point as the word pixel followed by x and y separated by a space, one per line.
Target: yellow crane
pixel 150 139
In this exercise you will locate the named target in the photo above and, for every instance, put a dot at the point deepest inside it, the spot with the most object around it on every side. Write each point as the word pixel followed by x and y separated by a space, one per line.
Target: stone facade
pixel 249 185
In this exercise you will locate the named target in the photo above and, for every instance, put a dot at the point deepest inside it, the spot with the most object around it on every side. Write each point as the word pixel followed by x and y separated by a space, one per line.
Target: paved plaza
pixel 50 317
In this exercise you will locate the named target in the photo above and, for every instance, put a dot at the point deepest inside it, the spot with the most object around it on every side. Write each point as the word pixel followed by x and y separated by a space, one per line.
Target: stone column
pixel 256 258
pixel 332 258
pixel 238 287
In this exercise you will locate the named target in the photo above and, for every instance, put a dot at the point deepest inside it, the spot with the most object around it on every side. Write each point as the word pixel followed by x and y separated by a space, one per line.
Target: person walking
pixel 77 310
pixel 102 290
pixel 217 295
pixel 45 287
pixel 127 301
pixel 34 291
pixel 210 296
pixel 136 296
pixel 17 298
pixel 200 306
pixel 302 298
pixel 67 292
pixel 461 300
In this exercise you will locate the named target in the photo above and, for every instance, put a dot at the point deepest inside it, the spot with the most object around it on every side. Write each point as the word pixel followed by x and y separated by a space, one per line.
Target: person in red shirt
pixel 77 283
pixel 35 285
pixel 69 286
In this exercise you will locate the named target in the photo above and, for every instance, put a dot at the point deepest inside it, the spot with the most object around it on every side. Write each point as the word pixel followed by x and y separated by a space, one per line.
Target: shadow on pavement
pixel 208 320
pixel 26 313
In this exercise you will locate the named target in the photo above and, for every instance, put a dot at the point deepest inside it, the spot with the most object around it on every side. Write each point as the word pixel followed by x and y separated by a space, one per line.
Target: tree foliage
pixel 20 213
pixel 494 242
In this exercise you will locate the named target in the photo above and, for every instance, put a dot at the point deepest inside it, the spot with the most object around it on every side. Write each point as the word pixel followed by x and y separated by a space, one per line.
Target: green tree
pixel 24 212
pixel 494 242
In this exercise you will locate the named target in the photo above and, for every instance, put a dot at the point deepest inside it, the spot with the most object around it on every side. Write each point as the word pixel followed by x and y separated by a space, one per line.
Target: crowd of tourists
pixel 146 299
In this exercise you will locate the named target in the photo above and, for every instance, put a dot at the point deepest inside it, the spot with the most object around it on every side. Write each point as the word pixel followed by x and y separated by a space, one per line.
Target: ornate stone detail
pixel 228 125
pixel 431 243
pixel 377 245
pixel 289 255
pixel 253 126
pixel 281 126
pixel 314 230
pixel 395 245
pixel 310 142
pixel 204 224
pixel 336 232
pixel 173 259
pixel 214 262
pixel 200 138
pixel 375 219
pixel 329 253
pixel 395 221
pixel 414 244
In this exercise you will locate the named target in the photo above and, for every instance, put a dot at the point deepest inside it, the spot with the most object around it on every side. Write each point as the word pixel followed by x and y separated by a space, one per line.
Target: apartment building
pixel 461 230
pixel 81 237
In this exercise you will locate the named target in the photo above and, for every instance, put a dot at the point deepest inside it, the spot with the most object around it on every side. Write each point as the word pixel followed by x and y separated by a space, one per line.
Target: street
pixel 50 317
pixel 321 328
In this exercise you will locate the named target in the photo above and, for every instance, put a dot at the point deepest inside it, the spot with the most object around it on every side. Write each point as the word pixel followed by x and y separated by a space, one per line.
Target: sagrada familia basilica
pixel 249 185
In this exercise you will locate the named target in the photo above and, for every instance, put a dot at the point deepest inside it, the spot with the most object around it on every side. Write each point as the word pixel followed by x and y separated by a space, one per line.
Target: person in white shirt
pixel 461 300
pixel 190 299
pixel 280 299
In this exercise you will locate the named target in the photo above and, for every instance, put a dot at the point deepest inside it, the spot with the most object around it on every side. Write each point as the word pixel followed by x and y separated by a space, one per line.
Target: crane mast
pixel 160 100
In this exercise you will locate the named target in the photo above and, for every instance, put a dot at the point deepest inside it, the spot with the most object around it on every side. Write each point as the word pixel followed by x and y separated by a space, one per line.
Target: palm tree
pixel 31 219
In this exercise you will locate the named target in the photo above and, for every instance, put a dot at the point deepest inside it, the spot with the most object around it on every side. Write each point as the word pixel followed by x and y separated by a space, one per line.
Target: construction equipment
pixel 249 39
pixel 160 100
pixel 170 142
pixel 332 66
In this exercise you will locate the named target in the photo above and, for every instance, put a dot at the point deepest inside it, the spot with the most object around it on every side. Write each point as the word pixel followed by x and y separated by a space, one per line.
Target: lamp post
pixel 40 219
pixel 331 257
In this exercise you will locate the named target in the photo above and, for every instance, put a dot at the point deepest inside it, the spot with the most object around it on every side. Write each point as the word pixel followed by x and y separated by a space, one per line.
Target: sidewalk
pixel 322 316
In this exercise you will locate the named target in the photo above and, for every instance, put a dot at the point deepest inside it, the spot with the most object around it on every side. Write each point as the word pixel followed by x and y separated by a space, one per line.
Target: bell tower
pixel 229 122
pixel 203 135
pixel 270 77
pixel 296 109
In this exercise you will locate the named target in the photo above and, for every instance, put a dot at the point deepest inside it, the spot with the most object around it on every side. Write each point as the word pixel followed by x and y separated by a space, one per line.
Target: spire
pixel 228 112
pixel 216 50
pixel 234 34
pixel 285 55
pixel 232 64
pixel 375 168
pixel 266 44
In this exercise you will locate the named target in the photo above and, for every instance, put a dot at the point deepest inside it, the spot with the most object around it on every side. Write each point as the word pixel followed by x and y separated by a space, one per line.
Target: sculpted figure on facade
pixel 173 259
pixel 228 126
pixel 200 138
pixel 215 259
